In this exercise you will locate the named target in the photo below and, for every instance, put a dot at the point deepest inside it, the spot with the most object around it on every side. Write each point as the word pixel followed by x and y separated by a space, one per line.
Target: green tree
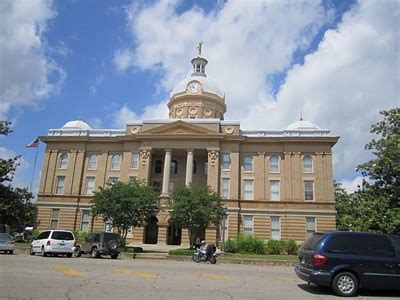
pixel 375 206
pixel 124 205
pixel 195 208
pixel 16 208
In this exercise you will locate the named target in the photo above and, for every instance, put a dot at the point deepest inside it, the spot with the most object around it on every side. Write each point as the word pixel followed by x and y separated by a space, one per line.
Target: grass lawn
pixel 22 245
pixel 261 256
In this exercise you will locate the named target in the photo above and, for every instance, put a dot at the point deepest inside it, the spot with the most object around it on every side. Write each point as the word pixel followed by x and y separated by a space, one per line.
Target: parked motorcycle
pixel 201 255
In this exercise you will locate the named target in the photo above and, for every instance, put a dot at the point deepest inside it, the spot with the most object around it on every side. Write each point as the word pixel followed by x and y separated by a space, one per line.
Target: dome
pixel 76 124
pixel 208 85
pixel 302 125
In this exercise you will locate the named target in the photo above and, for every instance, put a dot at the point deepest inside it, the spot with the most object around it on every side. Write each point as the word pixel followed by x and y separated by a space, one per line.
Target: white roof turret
pixel 76 124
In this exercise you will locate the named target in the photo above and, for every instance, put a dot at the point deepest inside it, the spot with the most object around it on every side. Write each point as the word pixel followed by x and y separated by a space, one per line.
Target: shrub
pixel 80 236
pixel 230 246
pixel 291 247
pixel 33 235
pixel 275 247
pixel 245 244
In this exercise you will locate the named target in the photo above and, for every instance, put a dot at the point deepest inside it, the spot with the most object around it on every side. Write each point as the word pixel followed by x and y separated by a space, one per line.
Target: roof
pixel 303 125
pixel 76 124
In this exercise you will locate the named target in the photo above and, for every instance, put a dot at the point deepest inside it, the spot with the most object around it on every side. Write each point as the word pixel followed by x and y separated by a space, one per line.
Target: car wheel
pixel 114 256
pixel 69 254
pixel 77 252
pixel 31 252
pixel 43 252
pixel 112 245
pixel 345 284
pixel 95 253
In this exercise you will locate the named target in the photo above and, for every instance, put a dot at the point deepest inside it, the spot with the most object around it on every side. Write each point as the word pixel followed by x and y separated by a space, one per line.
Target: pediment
pixel 178 127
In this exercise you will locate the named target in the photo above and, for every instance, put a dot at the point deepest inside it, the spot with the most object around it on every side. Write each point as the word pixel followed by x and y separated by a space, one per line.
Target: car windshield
pixel 62 235
pixel 5 237
pixel 111 236
pixel 312 242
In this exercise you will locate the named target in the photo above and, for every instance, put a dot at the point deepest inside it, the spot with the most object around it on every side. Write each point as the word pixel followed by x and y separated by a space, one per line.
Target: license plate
pixel 303 261
pixel 61 244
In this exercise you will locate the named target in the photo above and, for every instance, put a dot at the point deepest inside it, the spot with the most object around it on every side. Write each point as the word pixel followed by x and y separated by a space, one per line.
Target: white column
pixel 189 167
pixel 167 168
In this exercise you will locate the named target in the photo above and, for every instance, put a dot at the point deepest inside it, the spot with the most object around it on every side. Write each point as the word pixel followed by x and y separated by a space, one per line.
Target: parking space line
pixel 67 271
pixel 135 273
pixel 216 276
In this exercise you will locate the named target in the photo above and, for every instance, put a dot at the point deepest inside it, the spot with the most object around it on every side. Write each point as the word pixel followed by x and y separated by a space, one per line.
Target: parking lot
pixel 24 276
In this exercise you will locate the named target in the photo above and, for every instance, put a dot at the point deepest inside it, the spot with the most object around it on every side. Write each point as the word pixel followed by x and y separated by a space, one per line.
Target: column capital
pixel 213 156
pixel 144 156
pixel 190 150
pixel 168 150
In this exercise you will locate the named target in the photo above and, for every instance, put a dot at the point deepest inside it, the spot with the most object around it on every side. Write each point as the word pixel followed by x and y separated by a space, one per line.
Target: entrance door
pixel 151 231
pixel 174 235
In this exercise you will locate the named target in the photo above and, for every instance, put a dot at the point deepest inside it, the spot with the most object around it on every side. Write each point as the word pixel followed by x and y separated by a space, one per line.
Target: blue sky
pixel 108 62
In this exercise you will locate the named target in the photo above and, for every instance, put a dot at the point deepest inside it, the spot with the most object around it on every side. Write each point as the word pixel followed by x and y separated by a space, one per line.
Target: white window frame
pixel 89 189
pixel 224 228
pixel 135 160
pixel 305 191
pixel 278 163
pixel 83 212
pixel 60 187
pixel 53 218
pixel 244 189
pixel 63 161
pixel 246 231
pixel 304 164
pixel 225 192
pixel 278 198
pixel 245 164
pixel 90 161
pixel 311 221
pixel 114 163
pixel 278 230
pixel 225 161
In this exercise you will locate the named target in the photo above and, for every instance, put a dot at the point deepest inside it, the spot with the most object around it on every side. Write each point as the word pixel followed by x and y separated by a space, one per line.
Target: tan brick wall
pixel 261 226
pixel 327 223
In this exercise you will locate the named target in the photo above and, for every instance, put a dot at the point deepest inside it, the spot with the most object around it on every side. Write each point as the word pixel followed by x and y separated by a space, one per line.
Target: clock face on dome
pixel 194 87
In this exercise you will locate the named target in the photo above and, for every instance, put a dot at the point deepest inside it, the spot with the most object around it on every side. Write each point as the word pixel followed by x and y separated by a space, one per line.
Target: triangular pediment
pixel 178 127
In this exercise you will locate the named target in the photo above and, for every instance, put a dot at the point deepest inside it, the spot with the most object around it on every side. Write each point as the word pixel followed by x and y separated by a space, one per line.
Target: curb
pixel 224 260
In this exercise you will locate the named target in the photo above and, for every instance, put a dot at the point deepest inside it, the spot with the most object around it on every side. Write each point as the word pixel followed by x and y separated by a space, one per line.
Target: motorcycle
pixel 200 255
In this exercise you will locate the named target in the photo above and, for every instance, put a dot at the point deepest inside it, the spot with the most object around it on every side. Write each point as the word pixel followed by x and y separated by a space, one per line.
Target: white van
pixel 54 242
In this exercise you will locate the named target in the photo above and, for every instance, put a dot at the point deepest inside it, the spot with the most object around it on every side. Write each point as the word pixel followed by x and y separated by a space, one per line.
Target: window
pixel 248 162
pixel 276 228
pixel 274 186
pixel 158 167
pixel 116 162
pixel 171 187
pixel 60 185
pixel 85 220
pixel 308 190
pixel 55 215
pixel 223 227
pixel 226 161
pixel 205 168
pixel 63 161
pixel 310 224
pixel 112 180
pixel 248 189
pixel 225 188
pixel 132 179
pixel 157 186
pixel 89 186
pixel 174 167
pixel 135 160
pixel 248 225
pixel 274 164
pixel 307 164
pixel 194 167
pixel 62 236
pixel 92 165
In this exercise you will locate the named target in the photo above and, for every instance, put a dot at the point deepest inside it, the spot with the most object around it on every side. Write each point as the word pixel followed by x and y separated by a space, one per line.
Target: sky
pixel 108 62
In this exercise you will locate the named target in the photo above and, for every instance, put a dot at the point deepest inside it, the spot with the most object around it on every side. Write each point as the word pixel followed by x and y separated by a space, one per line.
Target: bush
pixel 291 247
pixel 80 236
pixel 245 244
pixel 275 247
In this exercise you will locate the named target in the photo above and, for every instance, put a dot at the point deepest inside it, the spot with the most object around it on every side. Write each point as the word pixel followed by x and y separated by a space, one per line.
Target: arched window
pixel 63 161
pixel 194 167
pixel 115 162
pixel 158 167
pixel 307 163
pixel 174 167
pixel 92 164
pixel 274 163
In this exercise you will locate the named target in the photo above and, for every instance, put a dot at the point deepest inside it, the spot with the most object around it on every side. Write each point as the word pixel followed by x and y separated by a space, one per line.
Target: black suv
pixel 100 243
pixel 348 261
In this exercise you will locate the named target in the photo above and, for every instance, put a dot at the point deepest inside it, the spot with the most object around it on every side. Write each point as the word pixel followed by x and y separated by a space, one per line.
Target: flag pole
pixel 34 167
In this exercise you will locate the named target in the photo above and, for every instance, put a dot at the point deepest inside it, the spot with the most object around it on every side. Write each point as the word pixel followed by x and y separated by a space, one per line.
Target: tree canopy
pixel 125 204
pixel 375 206
pixel 195 208
pixel 16 208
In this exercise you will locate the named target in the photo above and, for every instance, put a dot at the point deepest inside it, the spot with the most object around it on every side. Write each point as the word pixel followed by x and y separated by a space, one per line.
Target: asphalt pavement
pixel 35 277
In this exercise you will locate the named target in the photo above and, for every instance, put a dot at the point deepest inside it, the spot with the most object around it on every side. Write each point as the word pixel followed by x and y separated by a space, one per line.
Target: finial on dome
pixel 199 47
pixel 301 115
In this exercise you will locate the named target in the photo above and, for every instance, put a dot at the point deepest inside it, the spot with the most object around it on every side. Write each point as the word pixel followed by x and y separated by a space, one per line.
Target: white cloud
pixel 97 82
pixel 341 86
pixel 31 74
pixel 352 185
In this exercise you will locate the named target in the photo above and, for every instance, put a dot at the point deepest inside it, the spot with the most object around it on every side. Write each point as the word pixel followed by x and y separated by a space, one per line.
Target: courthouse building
pixel 276 184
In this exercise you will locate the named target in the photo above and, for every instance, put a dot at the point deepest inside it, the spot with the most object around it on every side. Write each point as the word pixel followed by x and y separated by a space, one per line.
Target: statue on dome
pixel 199 47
